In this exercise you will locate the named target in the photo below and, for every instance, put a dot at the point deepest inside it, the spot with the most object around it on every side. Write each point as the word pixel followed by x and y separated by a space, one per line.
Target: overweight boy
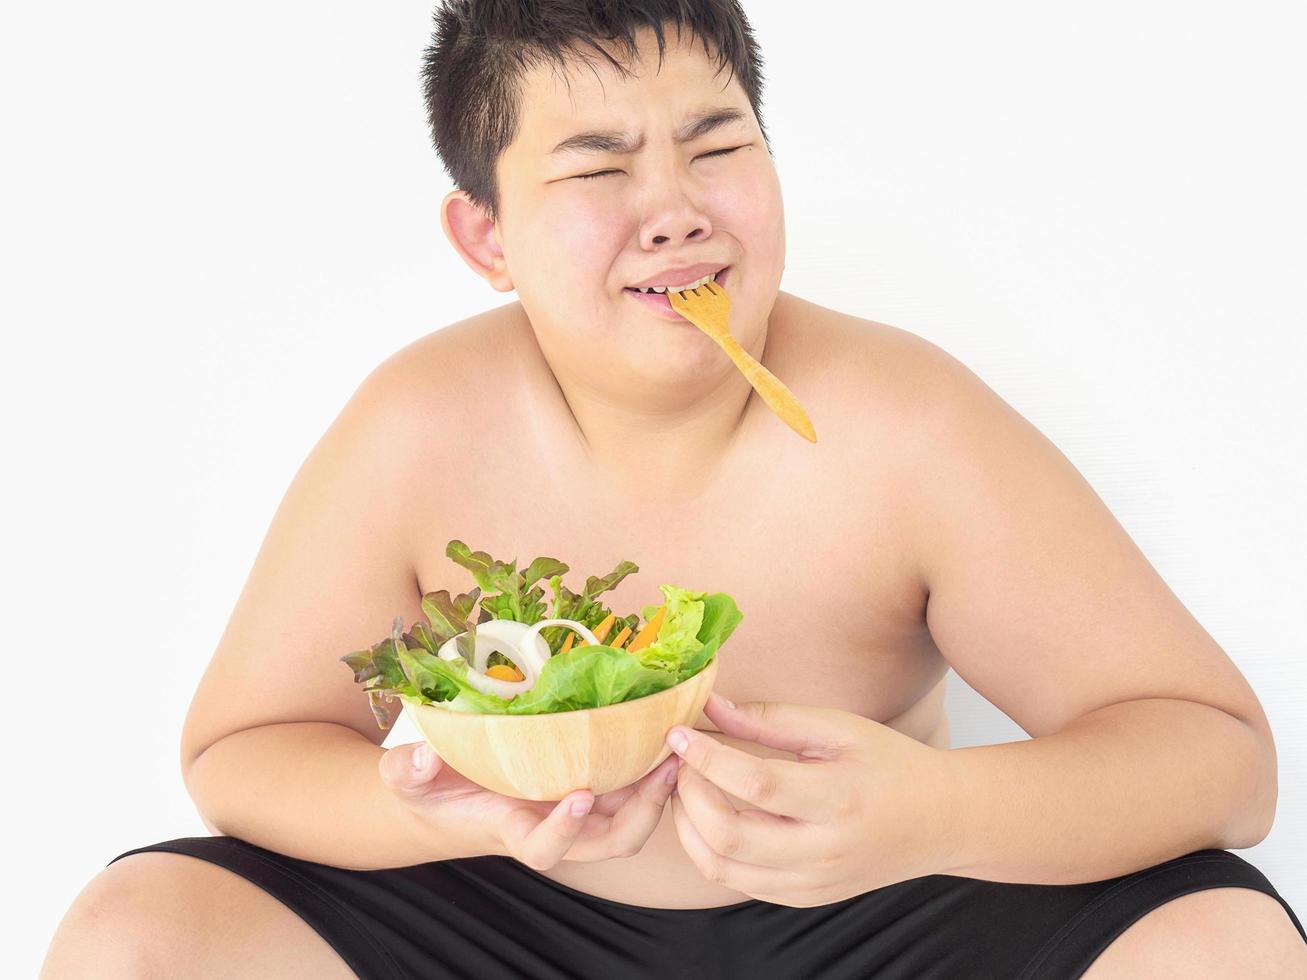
pixel 814 822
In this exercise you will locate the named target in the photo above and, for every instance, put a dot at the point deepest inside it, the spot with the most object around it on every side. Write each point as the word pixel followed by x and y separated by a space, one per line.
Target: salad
pixel 521 655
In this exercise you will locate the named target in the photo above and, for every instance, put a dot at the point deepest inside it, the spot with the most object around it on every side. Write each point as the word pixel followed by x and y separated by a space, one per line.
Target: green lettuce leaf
pixel 585 608
pixel 678 636
pixel 407 665
pixel 519 597
pixel 589 677
pixel 448 617
pixel 440 680
pixel 695 625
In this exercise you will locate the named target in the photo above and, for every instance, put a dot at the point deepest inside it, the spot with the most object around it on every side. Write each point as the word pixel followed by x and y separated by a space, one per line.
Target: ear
pixel 476 238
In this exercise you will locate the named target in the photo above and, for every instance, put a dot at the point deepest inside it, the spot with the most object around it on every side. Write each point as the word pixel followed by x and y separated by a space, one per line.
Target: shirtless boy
pixel 929 526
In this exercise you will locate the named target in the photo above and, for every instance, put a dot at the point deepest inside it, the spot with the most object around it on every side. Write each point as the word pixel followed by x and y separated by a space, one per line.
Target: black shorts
pixel 492 917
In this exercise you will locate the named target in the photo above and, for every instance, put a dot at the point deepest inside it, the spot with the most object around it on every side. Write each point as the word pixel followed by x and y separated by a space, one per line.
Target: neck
pixel 654 442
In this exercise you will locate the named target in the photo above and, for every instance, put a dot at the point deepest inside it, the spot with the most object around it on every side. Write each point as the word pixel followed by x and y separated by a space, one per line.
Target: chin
pixel 692 363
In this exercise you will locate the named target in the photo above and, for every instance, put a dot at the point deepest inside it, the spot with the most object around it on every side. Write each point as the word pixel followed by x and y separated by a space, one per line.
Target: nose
pixel 677 222
pixel 663 239
pixel 669 202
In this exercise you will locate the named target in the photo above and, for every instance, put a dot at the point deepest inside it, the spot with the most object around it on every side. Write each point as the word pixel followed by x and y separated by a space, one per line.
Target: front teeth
pixel 679 289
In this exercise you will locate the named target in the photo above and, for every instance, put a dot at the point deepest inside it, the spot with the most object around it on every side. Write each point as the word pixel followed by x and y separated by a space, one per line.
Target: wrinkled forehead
pixel 587 92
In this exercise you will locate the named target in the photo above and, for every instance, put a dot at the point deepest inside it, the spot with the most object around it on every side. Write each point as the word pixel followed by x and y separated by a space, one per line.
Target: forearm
pixel 1123 788
pixel 312 790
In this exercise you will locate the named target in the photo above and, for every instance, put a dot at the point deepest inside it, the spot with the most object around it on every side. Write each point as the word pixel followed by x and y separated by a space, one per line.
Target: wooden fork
pixel 708 308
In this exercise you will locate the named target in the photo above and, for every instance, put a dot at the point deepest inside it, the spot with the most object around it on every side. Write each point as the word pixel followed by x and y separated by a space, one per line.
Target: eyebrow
pixel 613 141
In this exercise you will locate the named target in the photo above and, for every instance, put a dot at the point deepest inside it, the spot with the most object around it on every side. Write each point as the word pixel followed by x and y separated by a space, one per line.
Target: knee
pixel 1217 932
pixel 122 921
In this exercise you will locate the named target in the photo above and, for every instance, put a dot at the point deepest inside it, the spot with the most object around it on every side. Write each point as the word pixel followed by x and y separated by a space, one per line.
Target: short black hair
pixel 480 49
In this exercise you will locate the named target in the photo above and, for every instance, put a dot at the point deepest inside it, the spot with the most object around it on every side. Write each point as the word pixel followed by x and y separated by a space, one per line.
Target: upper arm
pixel 334 570
pixel 1037 596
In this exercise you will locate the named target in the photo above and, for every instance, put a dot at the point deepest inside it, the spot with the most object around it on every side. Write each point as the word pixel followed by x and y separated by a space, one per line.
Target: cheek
pixel 577 241
pixel 587 226
pixel 566 252
pixel 567 247
pixel 753 206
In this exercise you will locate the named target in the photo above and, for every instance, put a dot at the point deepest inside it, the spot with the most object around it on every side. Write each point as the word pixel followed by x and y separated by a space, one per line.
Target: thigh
pixel 942 927
pixel 1217 933
pixel 461 919
pixel 162 914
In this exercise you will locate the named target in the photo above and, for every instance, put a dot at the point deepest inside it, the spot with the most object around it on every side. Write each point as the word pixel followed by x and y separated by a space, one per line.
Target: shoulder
pixel 432 382
pixel 908 423
pixel 871 376
pixel 941 424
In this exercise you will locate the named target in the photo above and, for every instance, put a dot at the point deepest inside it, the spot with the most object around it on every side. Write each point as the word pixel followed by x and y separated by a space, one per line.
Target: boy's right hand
pixel 539 834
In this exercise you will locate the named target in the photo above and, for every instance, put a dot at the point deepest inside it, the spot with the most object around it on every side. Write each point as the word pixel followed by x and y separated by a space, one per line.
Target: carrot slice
pixel 505 673
pixel 649 631
pixel 621 637
pixel 574 638
pixel 602 629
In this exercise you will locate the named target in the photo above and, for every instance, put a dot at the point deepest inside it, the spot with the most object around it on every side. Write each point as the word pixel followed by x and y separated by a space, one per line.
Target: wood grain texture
pixel 708 308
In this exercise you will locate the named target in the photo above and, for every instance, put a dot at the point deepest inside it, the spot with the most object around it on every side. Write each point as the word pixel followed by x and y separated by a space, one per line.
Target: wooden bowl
pixel 545 757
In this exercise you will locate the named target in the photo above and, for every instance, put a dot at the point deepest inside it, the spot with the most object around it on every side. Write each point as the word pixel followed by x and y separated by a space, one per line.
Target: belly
pixel 662 875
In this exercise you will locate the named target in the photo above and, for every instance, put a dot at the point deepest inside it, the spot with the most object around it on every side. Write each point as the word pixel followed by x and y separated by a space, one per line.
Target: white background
pixel 217 220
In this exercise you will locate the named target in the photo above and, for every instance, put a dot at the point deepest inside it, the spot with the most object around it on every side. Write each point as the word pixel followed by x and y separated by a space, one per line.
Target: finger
pixel 622 831
pixel 632 824
pixel 776 785
pixel 743 877
pixel 809 731
pixel 752 836
pixel 540 844
pixel 409 769
pixel 610 803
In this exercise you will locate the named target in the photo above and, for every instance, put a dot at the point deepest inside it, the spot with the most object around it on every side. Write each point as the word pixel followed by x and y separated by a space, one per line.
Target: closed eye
pixel 603 173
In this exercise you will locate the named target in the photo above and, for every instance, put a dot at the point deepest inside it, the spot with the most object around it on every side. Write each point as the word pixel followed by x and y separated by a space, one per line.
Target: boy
pixel 822 827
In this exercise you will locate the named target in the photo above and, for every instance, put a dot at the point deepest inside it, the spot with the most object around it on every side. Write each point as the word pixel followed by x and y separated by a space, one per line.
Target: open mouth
pixel 656 297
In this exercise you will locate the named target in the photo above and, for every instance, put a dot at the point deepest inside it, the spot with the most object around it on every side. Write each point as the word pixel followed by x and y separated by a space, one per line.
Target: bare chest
pixel 832 616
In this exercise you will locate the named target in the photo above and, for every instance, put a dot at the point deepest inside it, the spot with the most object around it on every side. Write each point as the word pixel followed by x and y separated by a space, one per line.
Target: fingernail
pixel 580 807
pixel 726 701
pixel 421 757
pixel 677 740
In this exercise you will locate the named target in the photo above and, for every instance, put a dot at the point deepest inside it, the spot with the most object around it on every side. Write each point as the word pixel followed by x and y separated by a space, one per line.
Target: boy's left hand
pixel 863 807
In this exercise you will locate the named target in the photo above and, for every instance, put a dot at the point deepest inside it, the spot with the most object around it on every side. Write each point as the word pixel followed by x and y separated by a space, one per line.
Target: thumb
pixel 804 729
pixel 408 769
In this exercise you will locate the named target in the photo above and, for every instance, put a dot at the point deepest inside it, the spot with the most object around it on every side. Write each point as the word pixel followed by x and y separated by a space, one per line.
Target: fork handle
pixel 770 387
